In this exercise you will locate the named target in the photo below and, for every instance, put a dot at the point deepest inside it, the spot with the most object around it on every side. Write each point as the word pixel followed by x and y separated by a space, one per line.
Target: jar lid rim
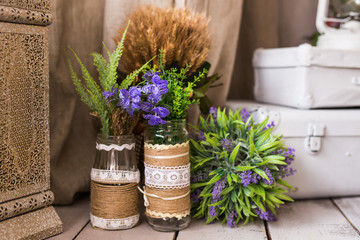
pixel 120 137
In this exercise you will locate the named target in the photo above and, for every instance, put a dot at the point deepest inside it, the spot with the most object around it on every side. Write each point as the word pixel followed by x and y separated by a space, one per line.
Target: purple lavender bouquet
pixel 237 168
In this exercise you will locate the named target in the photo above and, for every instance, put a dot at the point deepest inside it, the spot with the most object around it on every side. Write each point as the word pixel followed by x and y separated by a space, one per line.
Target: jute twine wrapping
pixel 114 201
pixel 159 208
pixel 168 207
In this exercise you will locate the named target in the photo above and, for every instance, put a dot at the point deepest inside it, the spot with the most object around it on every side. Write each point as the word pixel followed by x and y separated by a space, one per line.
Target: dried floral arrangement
pixel 117 118
pixel 237 168
pixel 181 35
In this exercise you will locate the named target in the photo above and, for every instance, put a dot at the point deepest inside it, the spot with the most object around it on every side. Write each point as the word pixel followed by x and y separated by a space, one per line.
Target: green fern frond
pixel 106 49
pixel 114 61
pixel 131 77
pixel 102 111
pixel 101 66
pixel 84 96
pixel 91 84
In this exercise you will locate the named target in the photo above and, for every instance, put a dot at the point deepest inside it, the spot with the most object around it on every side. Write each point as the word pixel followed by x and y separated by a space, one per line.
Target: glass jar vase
pixel 167 176
pixel 114 181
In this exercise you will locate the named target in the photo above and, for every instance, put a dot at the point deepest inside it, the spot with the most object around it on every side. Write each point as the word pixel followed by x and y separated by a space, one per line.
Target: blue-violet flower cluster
pixel 219 186
pixel 232 218
pixel 144 98
pixel 248 177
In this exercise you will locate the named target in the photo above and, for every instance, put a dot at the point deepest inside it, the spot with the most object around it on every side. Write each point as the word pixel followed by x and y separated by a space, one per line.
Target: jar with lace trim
pixel 114 181
pixel 167 176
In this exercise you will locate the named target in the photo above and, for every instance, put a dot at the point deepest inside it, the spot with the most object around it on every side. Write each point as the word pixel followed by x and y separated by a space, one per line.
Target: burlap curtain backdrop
pixel 269 24
pixel 83 25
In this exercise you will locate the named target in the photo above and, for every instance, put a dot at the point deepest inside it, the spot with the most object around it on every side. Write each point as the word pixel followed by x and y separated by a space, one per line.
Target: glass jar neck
pixel 170 125
pixel 118 140
pixel 172 132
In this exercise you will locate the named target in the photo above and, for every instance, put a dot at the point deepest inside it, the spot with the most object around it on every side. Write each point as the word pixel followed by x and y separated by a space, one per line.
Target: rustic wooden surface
pixel 197 230
pixel 337 218
pixel 74 218
pixel 317 219
pixel 350 207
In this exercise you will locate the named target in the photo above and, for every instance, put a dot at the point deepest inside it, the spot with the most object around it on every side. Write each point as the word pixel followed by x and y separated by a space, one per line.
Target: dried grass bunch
pixel 183 35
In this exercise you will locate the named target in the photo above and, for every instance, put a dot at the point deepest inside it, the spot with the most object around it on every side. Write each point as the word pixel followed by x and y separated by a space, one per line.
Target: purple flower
pixel 160 84
pixel 270 125
pixel 154 96
pixel 226 144
pixel 146 107
pixel 244 114
pixel 213 112
pixel 255 178
pixel 198 177
pixel 232 218
pixel 289 155
pixel 219 186
pixel 135 94
pixel 161 111
pixel 155 87
pixel 130 100
pixel 268 173
pixel 246 178
pixel 154 119
pixel 267 215
pixel 201 136
pixel 194 196
pixel 197 136
pixel 149 75
pixel 148 88
pixel 124 99
pixel 110 94
pixel 212 211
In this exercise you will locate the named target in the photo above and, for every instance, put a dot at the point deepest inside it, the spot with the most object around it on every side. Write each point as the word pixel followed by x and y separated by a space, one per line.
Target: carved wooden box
pixel 25 196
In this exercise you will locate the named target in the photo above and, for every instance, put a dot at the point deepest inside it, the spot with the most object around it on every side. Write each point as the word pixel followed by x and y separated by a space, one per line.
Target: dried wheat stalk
pixel 183 35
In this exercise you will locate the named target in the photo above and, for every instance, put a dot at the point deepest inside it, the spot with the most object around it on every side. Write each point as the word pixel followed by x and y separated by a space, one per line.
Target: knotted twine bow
pixel 146 201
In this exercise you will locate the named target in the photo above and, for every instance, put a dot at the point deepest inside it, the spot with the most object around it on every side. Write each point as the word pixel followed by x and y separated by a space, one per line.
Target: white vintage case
pixel 327 144
pixel 307 77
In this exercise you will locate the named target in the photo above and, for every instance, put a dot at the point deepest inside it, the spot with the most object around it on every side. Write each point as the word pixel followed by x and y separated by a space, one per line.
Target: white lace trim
pixel 163 146
pixel 167 177
pixel 169 215
pixel 113 224
pixel 100 146
pixel 115 176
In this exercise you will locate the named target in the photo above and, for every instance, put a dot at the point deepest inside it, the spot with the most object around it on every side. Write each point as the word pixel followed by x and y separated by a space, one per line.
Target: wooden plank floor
pixel 319 219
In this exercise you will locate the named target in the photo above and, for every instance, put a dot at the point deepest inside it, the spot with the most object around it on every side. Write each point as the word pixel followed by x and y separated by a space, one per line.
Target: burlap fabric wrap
pixel 114 197
pixel 167 180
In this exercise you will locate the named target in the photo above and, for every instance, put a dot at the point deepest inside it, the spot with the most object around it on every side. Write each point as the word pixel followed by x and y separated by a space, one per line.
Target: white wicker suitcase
pixel 327 144
pixel 307 77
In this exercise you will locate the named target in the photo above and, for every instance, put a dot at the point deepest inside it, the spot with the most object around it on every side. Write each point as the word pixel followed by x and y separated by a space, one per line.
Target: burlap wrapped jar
pixel 167 176
pixel 114 184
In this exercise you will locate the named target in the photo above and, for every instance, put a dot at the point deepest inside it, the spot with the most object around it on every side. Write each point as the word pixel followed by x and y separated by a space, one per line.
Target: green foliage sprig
pixel 179 96
pixel 178 99
pixel 237 168
pixel 204 82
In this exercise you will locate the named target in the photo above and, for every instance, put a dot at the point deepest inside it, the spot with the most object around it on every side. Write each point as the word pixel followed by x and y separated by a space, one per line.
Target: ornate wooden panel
pixel 25 11
pixel 25 195
pixel 24 112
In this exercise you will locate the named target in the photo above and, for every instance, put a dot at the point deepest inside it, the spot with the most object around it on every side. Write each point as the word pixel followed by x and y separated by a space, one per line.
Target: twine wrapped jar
pixel 114 181
pixel 167 176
